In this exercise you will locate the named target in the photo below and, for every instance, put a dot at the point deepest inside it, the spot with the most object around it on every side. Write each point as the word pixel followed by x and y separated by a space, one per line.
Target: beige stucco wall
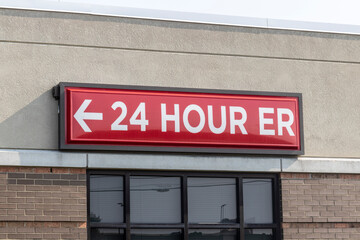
pixel 40 49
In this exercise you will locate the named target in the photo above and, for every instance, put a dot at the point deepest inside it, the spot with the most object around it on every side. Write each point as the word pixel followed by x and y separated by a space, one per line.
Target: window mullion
pixel 88 204
pixel 277 211
pixel 127 205
pixel 240 208
pixel 184 207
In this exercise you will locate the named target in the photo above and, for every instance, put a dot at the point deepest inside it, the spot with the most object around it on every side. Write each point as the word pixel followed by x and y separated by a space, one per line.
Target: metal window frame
pixel 185 226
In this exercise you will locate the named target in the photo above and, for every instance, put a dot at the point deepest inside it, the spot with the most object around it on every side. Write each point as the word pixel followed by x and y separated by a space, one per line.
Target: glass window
pixel 257 195
pixel 212 200
pixel 155 234
pixel 131 205
pixel 155 199
pixel 258 234
pixel 106 199
pixel 213 234
pixel 107 234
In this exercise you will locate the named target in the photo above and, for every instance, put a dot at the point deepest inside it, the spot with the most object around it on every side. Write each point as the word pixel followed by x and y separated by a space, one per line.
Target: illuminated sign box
pixel 131 118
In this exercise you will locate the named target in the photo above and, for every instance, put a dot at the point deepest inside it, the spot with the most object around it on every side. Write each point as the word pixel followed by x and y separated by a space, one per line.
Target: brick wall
pixel 42 203
pixel 321 206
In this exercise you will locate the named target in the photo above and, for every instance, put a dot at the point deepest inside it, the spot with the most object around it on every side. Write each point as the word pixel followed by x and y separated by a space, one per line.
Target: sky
pixel 324 11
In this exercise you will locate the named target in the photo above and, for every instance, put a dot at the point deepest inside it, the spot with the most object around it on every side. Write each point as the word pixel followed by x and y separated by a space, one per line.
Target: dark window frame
pixel 240 226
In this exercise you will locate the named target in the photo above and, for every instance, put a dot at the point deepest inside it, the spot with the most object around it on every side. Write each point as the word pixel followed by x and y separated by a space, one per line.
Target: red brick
pixel 43 194
pixel 69 201
pixel 8 230
pixel 26 206
pixel 16 188
pixel 23 205
pixel 77 230
pixel 16 200
pixel 330 201
pixel 43 230
pixel 25 194
pixel 43 218
pixel 7 169
pixel 51 236
pixel 33 212
pixel 350 176
pixel 69 224
pixel 52 224
pixel 34 188
pixel 52 200
pixel 8 206
pixel 16 212
pixel 62 230
pixel 61 170
pixel 71 189
pixel 77 170
pixel 78 219
pixel 83 236
pixel 25 230
pixel 70 236
pixel 52 188
pixel 34 200
pixel 61 218
pixel 15 224
pixel 25 218
pixel 42 170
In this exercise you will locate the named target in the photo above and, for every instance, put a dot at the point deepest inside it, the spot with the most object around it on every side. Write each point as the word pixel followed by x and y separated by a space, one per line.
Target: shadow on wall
pixel 35 126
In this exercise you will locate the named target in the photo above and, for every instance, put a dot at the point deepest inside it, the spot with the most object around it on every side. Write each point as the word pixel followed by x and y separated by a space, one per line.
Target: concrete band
pixel 45 158
pixel 41 158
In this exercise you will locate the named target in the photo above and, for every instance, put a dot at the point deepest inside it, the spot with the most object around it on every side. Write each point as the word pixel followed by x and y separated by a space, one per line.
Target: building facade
pixel 47 193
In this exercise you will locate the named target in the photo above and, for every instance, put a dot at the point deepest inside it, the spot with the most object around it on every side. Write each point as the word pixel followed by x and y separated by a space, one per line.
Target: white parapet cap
pixel 167 15
pixel 178 162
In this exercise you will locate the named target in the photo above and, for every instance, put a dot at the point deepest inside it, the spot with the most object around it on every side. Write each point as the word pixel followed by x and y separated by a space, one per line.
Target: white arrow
pixel 81 115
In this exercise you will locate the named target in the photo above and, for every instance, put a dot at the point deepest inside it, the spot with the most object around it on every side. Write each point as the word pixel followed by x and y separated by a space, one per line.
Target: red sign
pixel 162 120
